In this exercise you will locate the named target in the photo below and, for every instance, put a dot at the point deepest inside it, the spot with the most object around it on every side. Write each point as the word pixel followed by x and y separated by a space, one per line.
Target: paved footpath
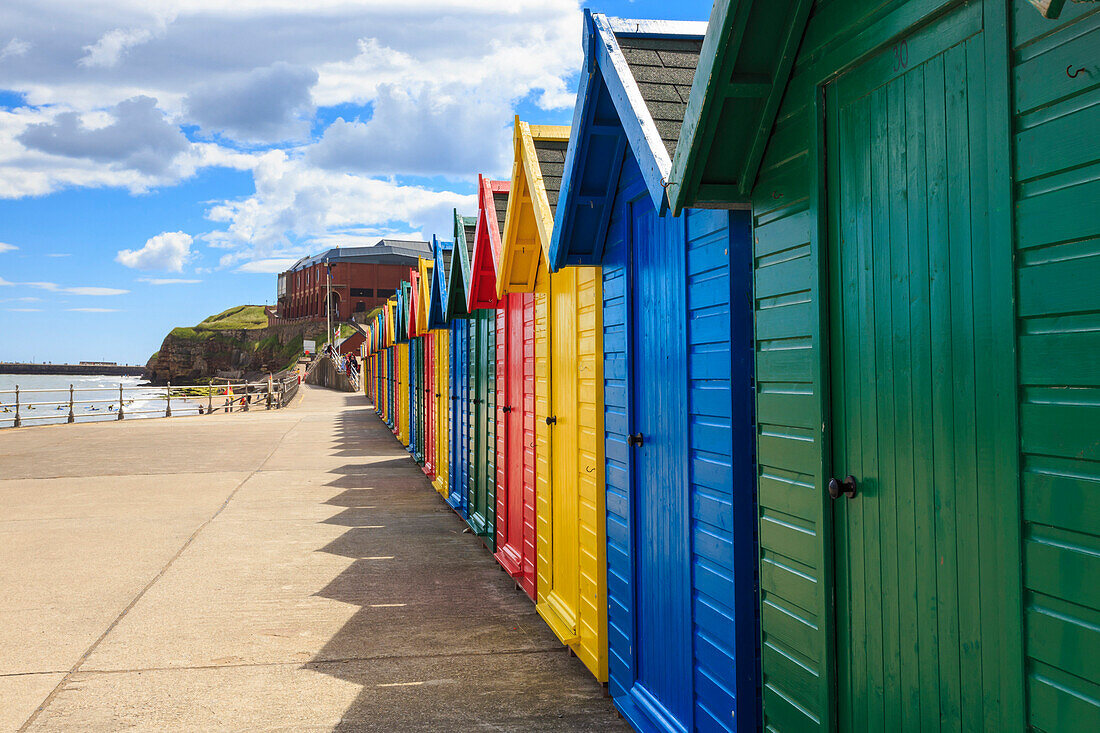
pixel 288 570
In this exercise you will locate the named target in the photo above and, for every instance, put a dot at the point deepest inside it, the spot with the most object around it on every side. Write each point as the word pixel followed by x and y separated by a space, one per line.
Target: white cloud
pixel 167 251
pixel 4 282
pixel 93 310
pixel 78 290
pixel 439 81
pixel 268 104
pixel 270 265
pixel 25 310
pixel 167 280
pixel 14 47
pixel 94 291
pixel 513 48
pixel 59 254
pixel 137 137
pixel 296 204
pixel 31 172
pixel 111 46
pixel 7 247
pixel 453 135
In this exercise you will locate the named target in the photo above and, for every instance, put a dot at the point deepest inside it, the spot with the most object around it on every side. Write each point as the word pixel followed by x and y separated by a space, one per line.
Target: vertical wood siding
pixel 1057 169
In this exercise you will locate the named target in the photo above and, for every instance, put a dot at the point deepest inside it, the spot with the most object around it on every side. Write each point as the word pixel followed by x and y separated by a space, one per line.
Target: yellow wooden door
pixel 403 393
pixel 561 599
pixel 442 411
pixel 571 532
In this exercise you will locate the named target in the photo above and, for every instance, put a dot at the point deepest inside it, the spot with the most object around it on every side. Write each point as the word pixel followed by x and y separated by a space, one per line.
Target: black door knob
pixel 848 488
pixel 635 439
pixel 551 421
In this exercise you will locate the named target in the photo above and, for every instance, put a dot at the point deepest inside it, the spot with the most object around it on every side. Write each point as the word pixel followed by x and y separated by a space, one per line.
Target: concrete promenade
pixel 288 570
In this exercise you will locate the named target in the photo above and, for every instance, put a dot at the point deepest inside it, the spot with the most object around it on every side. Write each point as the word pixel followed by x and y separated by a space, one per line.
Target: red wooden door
pixel 507 546
pixel 525 412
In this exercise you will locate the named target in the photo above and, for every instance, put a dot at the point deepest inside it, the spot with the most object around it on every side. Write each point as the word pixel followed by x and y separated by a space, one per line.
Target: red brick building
pixel 362 278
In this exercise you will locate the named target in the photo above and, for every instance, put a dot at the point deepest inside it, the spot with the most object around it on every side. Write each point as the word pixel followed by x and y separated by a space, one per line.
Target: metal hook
pixel 1073 74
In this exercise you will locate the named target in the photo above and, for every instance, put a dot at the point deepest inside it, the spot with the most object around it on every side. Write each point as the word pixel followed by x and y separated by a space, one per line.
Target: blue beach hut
pixel 677 378
pixel 458 283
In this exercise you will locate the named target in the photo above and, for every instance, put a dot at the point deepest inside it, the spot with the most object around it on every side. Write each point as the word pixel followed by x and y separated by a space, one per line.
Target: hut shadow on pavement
pixel 442 638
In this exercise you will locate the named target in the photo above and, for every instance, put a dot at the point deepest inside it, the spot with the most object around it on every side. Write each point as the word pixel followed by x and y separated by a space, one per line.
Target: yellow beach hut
pixel 572 585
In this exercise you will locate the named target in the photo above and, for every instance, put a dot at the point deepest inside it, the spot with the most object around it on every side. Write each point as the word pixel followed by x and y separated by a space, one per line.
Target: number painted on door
pixel 901 56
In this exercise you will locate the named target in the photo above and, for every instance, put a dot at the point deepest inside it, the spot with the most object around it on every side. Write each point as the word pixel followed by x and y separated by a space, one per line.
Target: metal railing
pixel 270 394
pixel 346 364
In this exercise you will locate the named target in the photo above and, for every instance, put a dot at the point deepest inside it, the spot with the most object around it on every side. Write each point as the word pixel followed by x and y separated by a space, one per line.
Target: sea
pixel 95 399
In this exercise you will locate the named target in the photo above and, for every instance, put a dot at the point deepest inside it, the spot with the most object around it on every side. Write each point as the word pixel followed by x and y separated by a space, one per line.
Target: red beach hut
pixel 515 390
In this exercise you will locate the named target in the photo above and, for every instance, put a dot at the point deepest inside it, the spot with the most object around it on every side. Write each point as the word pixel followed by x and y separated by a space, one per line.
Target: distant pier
pixel 84 368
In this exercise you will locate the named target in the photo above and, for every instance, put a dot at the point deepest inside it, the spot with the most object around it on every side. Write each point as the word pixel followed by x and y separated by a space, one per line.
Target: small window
pixel 360 307
pixel 384 292
pixel 362 292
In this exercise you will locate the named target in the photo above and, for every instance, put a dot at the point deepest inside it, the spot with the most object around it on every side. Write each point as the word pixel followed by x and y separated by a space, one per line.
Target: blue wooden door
pixel 663 656
pixel 457 496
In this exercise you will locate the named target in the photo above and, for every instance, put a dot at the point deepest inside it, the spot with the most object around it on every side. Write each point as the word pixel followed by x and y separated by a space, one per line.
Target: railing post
pixel 209 398
pixel 72 417
pixel 282 390
pixel 269 391
pixel 120 400
pixel 18 420
pixel 168 393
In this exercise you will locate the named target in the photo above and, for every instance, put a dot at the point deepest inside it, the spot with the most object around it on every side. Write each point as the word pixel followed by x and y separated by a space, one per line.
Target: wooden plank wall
pixel 1056 108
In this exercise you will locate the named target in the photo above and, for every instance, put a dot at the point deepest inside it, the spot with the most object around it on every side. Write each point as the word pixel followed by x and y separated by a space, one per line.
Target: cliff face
pixel 192 354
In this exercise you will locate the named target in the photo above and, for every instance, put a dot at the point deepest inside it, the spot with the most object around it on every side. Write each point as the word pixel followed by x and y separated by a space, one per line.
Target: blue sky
pixel 158 166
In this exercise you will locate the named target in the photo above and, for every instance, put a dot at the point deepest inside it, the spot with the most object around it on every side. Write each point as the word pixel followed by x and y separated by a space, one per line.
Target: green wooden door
pixel 909 311
pixel 482 511
pixel 474 517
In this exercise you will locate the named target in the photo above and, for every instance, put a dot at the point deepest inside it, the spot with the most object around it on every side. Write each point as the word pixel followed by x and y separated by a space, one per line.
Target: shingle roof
pixel 471 230
pixel 500 200
pixel 551 157
pixel 663 68
pixel 445 255
pixel 383 252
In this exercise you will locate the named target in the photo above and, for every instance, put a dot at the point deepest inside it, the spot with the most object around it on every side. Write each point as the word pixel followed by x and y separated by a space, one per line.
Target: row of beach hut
pixel 774 379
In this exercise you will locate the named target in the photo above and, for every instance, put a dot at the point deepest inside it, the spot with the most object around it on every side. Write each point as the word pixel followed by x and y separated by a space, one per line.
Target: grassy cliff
pixel 235 339
pixel 241 317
